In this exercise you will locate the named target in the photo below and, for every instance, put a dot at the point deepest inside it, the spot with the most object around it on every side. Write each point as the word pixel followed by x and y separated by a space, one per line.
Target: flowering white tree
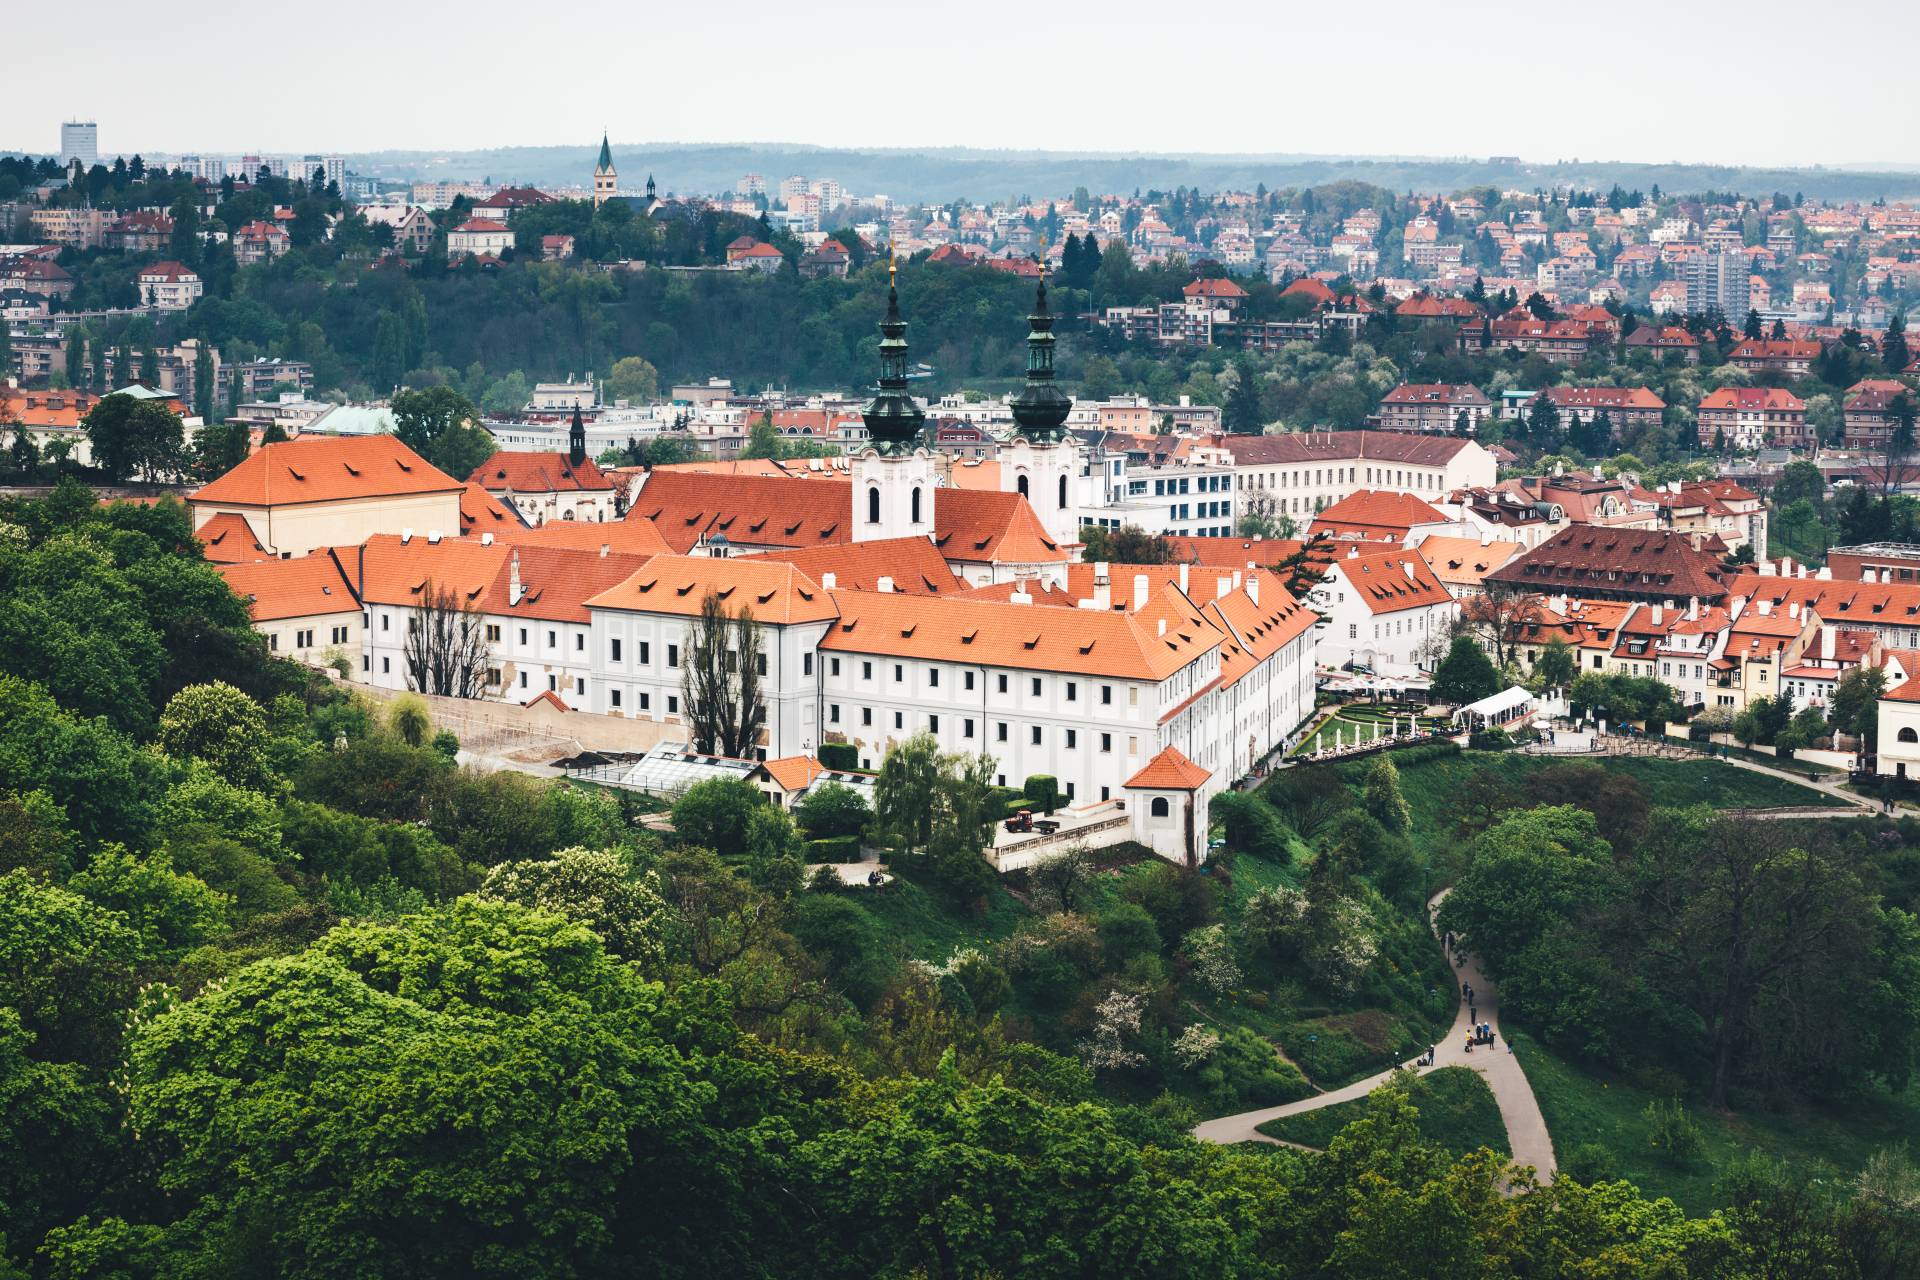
pixel 1115 1020
pixel 596 887
pixel 1195 1046
pixel 1210 952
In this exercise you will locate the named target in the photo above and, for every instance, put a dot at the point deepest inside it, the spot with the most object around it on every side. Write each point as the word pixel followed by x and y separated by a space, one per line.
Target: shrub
pixel 1675 1134
pixel 1043 792
pixel 831 811
pixel 1495 739
pixel 1589 1163
pixel 834 849
pixel 842 757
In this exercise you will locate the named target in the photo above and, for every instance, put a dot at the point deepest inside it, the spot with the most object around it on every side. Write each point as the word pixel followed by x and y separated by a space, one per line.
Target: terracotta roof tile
pixel 326 469
pixel 1169 771
pixel 305 587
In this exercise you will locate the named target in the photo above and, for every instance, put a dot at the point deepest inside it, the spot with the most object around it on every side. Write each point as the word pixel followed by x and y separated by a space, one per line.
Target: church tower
pixel 1041 463
pixel 893 477
pixel 577 439
pixel 605 181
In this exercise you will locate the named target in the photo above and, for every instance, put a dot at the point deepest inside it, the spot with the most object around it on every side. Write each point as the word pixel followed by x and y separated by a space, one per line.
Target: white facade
pixel 1302 487
pixel 893 495
pixel 1048 477
pixel 1374 635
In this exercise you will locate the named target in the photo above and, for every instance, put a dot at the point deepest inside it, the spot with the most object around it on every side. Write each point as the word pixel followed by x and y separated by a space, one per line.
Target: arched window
pixel 1021 485
pixel 1063 493
pixel 1159 808
pixel 916 504
pixel 1908 735
pixel 873 505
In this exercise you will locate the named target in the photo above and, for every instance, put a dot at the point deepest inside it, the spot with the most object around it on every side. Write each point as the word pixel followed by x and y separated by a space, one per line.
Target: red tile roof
pixel 1390 581
pixel 1169 771
pixel 914 564
pixel 305 587
pixel 227 539
pixel 1374 513
pixel 509 471
pixel 327 469
pixel 776 594
pixel 1326 446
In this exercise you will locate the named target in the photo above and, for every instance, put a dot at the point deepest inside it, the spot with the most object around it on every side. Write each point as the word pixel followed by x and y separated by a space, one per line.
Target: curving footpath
pixel 1527 1135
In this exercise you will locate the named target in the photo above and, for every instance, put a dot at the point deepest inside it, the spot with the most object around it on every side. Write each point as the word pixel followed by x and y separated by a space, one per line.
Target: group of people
pixel 1480 1033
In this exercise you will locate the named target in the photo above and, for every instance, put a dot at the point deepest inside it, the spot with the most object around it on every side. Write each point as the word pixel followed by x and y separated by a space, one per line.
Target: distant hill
pixel 962 173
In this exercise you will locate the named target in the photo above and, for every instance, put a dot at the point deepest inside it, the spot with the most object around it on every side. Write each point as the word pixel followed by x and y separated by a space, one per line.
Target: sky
pixel 1766 82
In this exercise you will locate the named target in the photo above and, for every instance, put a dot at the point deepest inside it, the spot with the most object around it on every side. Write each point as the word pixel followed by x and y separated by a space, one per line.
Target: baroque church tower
pixel 605 181
pixel 893 476
pixel 1041 463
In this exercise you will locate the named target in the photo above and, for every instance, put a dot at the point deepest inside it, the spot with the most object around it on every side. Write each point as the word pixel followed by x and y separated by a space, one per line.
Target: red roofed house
pixel 258 241
pixel 1749 417
pixel 1435 407
pixel 330 491
pixel 1786 356
pixel 481 237
pixel 1663 340
pixel 1167 800
pixel 755 255
pixel 1385 612
pixel 1624 406
pixel 1869 411
pixel 1379 515
pixel 141 231
pixel 548 486
pixel 1215 294
pixel 305 607
pixel 169 286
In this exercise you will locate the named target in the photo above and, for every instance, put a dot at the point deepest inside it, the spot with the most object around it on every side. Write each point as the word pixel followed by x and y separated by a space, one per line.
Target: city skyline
pixel 1455 90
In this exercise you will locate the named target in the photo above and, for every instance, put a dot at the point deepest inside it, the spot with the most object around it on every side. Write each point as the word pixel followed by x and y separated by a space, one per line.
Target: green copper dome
pixel 1040 410
pixel 893 419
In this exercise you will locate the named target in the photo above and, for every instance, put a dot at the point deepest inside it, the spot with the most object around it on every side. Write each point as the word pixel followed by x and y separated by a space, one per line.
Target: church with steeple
pixel 1041 463
pixel 894 475
pixel 606 183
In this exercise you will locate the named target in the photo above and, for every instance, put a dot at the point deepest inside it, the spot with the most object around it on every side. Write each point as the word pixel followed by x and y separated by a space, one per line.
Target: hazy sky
pixel 1760 82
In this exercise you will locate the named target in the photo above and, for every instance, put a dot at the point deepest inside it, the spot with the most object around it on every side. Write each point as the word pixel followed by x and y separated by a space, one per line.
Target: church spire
pixel 606 156
pixel 577 439
pixel 606 183
pixel 893 419
pixel 1040 410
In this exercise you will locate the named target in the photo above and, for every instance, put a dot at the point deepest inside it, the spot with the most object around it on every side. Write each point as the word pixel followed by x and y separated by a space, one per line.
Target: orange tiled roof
pixel 1169 771
pixel 776 594
pixel 758 510
pixel 227 539
pixel 1387 582
pixel 509 471
pixel 793 773
pixel 480 513
pixel 327 469
pixel 916 567
pixel 1024 636
pixel 1373 512
pixel 556 582
pixel 974 525
pixel 1465 561
pixel 630 537
pixel 309 586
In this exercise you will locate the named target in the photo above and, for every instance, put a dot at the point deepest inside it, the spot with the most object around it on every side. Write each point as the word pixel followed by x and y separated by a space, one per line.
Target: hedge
pixel 835 849
pixel 843 757
pixel 1043 791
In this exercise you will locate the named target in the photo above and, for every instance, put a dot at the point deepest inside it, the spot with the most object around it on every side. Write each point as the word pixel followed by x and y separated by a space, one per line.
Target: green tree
pixel 134 437
pixel 1556 665
pixel 633 379
pixel 1526 876
pixel 222 727
pixel 1855 706
pixel 1380 795
pixel 170 911
pixel 1244 413
pixel 905 793
pixel 720 683
pixel 1465 675
pixel 833 810
pixel 437 423
pixel 601 889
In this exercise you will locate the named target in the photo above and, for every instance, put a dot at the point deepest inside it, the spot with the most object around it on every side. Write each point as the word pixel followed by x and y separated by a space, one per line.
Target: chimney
pixel 1223 586
pixel 1101 574
pixel 1693 608
pixel 1184 567
pixel 1766 608
pixel 486 539
pixel 1253 587
pixel 1886 575
pixel 1766 568
pixel 1736 607
pixel 1412 575
pixel 1139 591
pixel 1655 615
pixel 1163 627
pixel 885 584
pixel 433 537
pixel 1353 553
pixel 514 590
pixel 1019 597
pixel 605 548
pixel 1793 609
pixel 1826 644
pixel 828 581
pixel 1825 574
pixel 406 536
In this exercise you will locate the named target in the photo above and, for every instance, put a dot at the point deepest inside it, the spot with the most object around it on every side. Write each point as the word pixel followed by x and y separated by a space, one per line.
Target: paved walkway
pixel 1527 1135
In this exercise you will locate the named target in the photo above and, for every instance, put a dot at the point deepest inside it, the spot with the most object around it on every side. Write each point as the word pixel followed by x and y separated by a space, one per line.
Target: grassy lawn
pixel 1433 787
pixel 1583 1107
pixel 930 929
pixel 1457 1112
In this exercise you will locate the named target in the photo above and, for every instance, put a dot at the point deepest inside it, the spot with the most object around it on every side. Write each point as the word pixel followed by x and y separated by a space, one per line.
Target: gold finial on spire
pixel 892 265
pixel 1043 259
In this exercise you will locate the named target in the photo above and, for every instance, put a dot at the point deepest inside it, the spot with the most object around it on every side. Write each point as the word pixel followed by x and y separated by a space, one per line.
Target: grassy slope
pixel 1582 1107
pixel 1457 1112
pixel 929 929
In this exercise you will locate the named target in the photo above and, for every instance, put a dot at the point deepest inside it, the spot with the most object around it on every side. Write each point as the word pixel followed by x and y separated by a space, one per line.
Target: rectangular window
pixel 1036 735
pixel 833 666
pixel 966 680
pixel 833 713
pixel 866 715
pixel 523 636
pixel 613 649
pixel 339 635
pixel 1106 695
pixel 386 622
pixel 1073 739
pixel 523 679
pixel 933 724
pixel 673 655
pixel 493 676
pixel 273 643
pixel 1000 732
pixel 1036 686
pixel 613 697
pixel 760 663
pixel 493 633
pixel 1001 685
pixel 386 666
pixel 899 721
pixel 580 686
pixel 966 728
pixel 806 663
pixel 553 684
pixel 866 671
pixel 899 673
pixel 579 642
pixel 673 704
pixel 1106 742
pixel 933 677
pixel 1073 691
pixel 646 653
pixel 553 638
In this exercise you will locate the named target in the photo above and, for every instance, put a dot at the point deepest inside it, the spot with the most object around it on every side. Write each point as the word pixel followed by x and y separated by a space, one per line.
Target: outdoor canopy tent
pixel 1500 708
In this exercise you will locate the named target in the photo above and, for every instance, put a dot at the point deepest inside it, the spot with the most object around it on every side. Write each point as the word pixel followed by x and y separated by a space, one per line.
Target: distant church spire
pixel 893 419
pixel 1040 410
pixel 577 439
pixel 605 181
